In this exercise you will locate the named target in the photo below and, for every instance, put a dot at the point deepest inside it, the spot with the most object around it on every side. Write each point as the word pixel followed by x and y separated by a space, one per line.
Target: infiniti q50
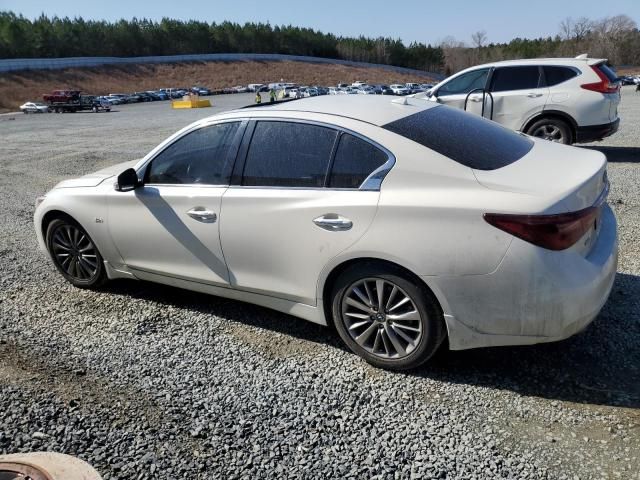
pixel 400 222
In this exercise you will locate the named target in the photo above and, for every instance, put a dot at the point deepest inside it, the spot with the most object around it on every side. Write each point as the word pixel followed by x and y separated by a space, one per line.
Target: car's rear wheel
pixel 74 254
pixel 386 317
pixel 552 129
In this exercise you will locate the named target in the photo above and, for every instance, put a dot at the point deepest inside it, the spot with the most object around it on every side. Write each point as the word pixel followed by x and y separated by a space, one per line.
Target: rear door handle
pixel 534 95
pixel 202 215
pixel 333 222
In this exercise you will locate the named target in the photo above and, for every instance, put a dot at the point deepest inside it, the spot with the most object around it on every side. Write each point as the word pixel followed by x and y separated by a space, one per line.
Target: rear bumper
pixel 592 133
pixel 534 296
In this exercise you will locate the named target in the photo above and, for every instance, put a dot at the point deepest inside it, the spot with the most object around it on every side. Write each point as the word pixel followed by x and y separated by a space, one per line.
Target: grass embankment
pixel 19 87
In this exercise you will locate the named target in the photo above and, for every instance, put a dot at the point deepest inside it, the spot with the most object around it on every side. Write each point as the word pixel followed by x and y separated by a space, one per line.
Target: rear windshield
pixel 610 74
pixel 468 139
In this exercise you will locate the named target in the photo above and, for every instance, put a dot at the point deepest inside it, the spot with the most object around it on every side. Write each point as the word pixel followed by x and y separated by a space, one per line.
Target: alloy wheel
pixel 382 318
pixel 549 132
pixel 74 252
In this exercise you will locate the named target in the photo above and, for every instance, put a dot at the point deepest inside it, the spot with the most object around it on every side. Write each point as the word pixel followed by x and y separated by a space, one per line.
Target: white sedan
pixel 399 89
pixel 400 222
pixel 34 107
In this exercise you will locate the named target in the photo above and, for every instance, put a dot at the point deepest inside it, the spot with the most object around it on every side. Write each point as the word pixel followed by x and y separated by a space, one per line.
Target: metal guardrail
pixel 18 64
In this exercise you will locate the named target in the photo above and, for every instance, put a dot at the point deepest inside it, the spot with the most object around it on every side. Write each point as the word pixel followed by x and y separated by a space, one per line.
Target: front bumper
pixel 534 296
pixel 592 133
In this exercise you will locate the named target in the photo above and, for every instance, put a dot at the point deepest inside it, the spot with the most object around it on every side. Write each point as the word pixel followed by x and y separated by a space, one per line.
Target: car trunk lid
pixel 568 179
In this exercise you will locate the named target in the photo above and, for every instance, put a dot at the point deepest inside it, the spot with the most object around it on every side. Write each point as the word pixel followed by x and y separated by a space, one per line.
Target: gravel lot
pixel 145 381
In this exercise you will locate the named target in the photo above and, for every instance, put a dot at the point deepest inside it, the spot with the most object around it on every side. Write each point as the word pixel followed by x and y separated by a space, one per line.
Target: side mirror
pixel 128 180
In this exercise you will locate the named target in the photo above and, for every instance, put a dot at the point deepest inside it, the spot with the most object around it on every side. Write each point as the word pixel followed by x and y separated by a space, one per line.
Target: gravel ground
pixel 146 381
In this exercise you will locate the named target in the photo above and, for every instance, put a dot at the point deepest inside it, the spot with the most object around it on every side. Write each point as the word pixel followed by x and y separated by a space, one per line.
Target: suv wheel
pixel 552 129
pixel 385 317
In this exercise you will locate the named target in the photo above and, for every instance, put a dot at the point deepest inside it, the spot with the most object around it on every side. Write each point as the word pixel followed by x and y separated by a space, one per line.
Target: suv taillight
pixel 554 232
pixel 603 86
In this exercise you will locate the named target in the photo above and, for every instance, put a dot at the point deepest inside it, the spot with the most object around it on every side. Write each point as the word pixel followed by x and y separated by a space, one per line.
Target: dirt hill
pixel 19 87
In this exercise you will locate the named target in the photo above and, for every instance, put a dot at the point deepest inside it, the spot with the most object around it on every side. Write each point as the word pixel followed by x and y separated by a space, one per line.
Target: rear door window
pixel 288 154
pixel 515 78
pixel 468 139
pixel 355 160
pixel 555 75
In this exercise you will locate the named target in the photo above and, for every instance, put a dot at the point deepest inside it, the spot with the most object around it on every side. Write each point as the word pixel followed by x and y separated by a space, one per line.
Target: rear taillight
pixel 554 232
pixel 603 86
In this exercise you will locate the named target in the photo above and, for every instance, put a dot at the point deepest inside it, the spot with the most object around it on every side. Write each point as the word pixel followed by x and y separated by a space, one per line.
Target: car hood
pixel 96 178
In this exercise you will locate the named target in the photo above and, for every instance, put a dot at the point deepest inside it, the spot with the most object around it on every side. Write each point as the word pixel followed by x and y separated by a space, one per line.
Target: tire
pixel 95 109
pixel 372 333
pixel 66 239
pixel 552 129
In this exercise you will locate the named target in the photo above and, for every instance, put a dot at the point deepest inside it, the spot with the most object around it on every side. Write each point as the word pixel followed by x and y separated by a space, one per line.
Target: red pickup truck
pixel 60 101
pixel 62 96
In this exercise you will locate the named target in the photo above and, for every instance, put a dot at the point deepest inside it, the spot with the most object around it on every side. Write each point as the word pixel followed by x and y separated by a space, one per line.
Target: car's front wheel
pixel 386 317
pixel 74 254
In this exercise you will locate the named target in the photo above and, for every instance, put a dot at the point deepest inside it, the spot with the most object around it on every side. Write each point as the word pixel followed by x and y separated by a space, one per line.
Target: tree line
pixel 616 38
pixel 53 37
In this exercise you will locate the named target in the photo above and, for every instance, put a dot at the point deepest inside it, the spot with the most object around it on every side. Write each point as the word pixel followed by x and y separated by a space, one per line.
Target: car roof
pixel 543 61
pixel 376 110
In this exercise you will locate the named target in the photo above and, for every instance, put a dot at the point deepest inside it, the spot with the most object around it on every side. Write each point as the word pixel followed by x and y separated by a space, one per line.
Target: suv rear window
pixel 466 138
pixel 610 74
pixel 505 79
pixel 555 75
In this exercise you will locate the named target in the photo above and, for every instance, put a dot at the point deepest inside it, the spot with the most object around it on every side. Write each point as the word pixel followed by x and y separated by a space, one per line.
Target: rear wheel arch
pixel 553 114
pixel 386 264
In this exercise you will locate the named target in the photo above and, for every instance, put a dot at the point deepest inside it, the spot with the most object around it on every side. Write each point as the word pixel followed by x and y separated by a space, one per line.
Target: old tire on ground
pixel 387 317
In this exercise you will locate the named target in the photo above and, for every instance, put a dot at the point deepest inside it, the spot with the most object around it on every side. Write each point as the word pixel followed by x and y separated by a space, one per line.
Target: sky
pixel 423 21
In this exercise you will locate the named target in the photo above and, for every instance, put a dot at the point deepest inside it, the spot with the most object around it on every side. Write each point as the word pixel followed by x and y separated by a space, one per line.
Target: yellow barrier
pixel 190 102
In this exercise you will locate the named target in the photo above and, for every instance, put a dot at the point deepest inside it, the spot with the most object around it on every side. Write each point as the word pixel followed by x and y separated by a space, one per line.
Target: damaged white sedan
pixel 403 223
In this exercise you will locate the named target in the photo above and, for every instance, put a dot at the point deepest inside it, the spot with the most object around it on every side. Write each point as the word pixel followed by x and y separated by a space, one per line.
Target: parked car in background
pixel 334 91
pixel 515 222
pixel 366 90
pixel 399 89
pixel 310 92
pixel 566 100
pixel 201 91
pixel 34 107
pixel 240 89
pixel 385 90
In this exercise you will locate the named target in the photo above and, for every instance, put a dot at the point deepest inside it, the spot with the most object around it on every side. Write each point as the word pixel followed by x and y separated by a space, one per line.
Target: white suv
pixel 566 100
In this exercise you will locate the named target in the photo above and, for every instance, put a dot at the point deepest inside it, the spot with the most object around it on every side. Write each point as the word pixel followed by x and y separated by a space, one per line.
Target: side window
pixel 555 75
pixel 200 157
pixel 288 154
pixel 465 83
pixel 355 160
pixel 515 78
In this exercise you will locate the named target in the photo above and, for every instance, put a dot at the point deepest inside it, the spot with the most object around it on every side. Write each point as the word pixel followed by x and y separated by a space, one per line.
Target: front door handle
pixel 534 95
pixel 333 222
pixel 202 215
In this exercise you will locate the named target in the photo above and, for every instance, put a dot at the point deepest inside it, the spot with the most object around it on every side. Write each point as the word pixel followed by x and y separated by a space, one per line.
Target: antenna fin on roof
pixel 583 56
